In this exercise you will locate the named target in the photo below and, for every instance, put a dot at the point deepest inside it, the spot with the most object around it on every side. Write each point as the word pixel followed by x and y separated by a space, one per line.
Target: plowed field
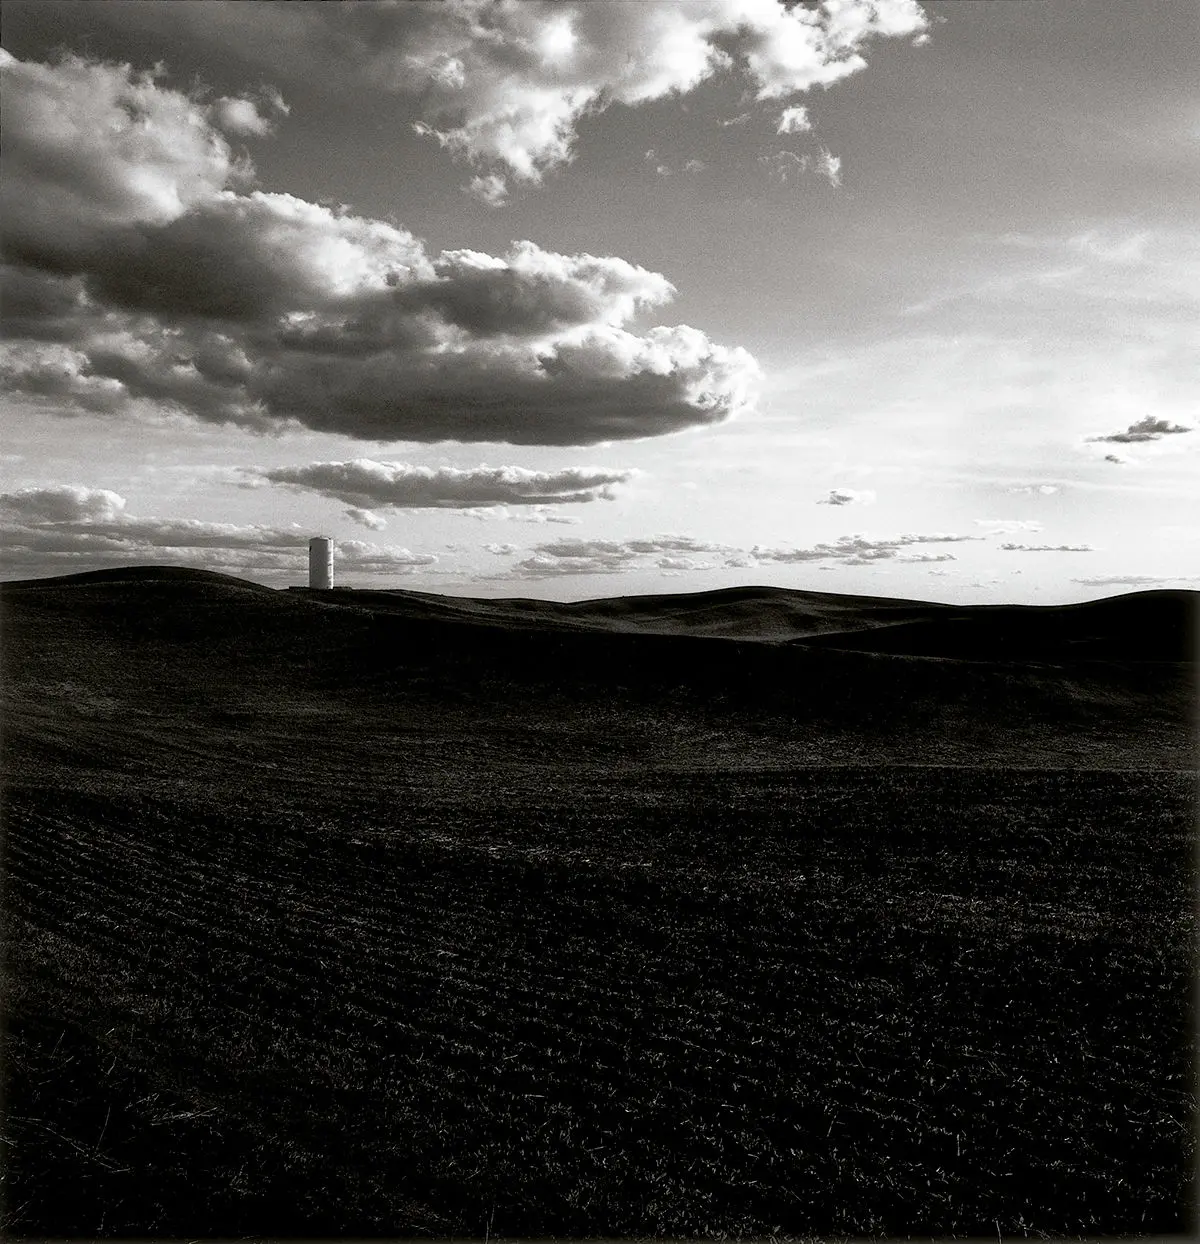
pixel 832 1000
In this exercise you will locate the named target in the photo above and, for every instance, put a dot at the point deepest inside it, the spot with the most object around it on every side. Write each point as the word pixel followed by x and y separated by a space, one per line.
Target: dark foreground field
pixel 365 916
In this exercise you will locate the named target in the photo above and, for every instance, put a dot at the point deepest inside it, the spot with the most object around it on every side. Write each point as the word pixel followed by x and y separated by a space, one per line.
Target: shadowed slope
pixel 1153 626
pixel 1143 626
pixel 119 665
pixel 760 614
pixel 373 914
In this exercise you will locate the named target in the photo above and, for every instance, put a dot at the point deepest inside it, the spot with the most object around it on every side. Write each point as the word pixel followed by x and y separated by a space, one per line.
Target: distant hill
pixel 1141 626
pixel 203 669
pixel 760 614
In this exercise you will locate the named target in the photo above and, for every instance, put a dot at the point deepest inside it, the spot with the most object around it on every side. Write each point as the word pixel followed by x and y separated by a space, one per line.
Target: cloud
pixel 61 503
pixel 679 565
pixel 1006 526
pixel 1117 459
pixel 785 166
pixel 1048 548
pixel 794 120
pixel 368 485
pixel 63 528
pixel 1041 490
pixel 489 188
pixel 848 496
pixel 358 555
pixel 576 557
pixel 661 169
pixel 90 146
pixel 830 167
pixel 150 276
pixel 539 515
pixel 366 518
pixel 1147 429
pixel 1112 248
pixel 248 118
pixel 1135 580
pixel 504 86
pixel 857 550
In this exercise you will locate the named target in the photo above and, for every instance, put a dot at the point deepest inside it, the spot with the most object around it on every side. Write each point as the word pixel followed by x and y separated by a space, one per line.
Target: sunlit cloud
pixel 150 273
pixel 505 86
pixel 367 485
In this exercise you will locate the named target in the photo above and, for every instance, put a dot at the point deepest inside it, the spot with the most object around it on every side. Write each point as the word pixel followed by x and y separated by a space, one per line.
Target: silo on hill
pixel 320 562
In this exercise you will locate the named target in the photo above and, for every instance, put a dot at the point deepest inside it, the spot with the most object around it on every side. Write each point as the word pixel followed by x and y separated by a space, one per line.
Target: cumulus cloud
pixel 1048 548
pixel 505 85
pixel 1041 490
pixel 61 503
pixel 91 146
pixel 63 528
pixel 1147 429
pixel 149 273
pixel 369 485
pixel 848 496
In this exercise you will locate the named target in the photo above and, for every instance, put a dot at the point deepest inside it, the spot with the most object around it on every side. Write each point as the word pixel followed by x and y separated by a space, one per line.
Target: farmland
pixel 460 942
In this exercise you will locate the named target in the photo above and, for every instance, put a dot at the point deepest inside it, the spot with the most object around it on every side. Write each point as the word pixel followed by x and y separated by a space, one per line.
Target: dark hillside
pixel 1143 626
pixel 177 651
pixel 359 914
pixel 755 613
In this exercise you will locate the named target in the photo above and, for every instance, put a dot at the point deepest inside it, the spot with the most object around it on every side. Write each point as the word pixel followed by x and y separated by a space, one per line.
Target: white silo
pixel 320 562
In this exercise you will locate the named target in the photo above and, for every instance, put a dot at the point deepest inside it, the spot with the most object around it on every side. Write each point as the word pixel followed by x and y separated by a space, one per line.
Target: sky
pixel 583 298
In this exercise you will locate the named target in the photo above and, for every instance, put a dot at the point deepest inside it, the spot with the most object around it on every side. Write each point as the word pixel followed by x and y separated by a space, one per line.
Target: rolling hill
pixel 126 662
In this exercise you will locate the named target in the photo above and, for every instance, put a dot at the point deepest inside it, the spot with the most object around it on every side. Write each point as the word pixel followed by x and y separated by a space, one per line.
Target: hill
pixel 125 663
pixel 383 914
